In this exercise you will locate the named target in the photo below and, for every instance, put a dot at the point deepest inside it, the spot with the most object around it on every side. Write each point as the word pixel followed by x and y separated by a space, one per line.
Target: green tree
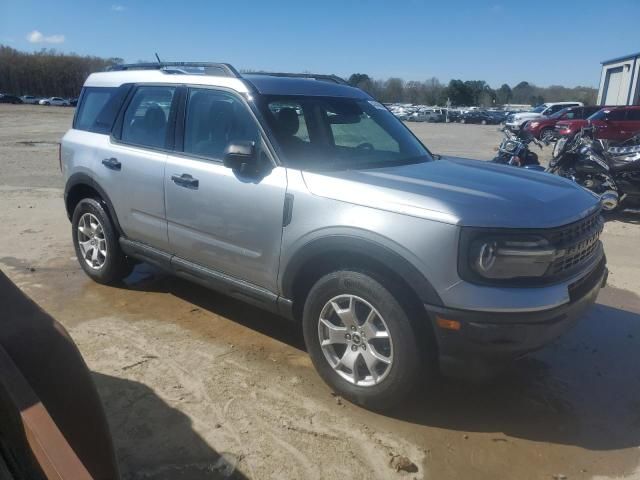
pixel 361 80
pixel 504 94
pixel 393 90
pixel 459 93
pixel 523 93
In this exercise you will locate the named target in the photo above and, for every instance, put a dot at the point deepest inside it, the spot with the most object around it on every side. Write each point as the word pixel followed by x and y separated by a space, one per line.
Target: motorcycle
pixel 514 150
pixel 610 170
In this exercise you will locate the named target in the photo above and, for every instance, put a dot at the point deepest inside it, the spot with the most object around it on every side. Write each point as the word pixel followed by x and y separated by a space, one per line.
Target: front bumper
pixel 483 340
pixel 514 125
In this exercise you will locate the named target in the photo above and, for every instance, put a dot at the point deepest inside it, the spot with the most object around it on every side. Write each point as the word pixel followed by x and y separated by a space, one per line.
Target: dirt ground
pixel 197 385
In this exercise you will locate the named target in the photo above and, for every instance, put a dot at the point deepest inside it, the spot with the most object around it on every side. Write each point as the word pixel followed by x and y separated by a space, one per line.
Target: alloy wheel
pixel 355 340
pixel 91 241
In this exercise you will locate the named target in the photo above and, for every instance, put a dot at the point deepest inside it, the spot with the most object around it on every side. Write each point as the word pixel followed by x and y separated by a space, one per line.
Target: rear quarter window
pixel 98 108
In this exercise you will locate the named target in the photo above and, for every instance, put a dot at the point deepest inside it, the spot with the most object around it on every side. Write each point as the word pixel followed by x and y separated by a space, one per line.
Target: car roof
pixel 262 83
pixel 120 77
pixel 277 85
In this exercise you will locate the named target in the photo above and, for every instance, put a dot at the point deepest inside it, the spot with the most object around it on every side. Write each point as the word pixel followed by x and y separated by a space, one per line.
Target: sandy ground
pixel 198 386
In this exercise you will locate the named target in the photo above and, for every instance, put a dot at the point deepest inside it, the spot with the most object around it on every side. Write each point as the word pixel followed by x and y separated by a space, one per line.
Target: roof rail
pixel 217 69
pixel 313 76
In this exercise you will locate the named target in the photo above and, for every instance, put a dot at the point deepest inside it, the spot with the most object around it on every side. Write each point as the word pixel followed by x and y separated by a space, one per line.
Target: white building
pixel 619 83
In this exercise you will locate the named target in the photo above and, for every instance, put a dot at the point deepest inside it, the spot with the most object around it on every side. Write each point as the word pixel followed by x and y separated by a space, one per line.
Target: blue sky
pixel 544 42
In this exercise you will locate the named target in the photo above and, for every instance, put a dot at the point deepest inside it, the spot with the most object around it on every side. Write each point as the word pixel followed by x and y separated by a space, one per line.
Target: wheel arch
pixel 326 254
pixel 81 185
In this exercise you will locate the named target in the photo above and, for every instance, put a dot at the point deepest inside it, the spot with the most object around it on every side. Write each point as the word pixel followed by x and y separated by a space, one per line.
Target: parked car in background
pixel 453 116
pixel 611 123
pixel 544 128
pixel 57 101
pixel 516 121
pixel 499 115
pixel 616 123
pixel 73 101
pixel 10 99
pixel 30 99
pixel 429 115
pixel 478 116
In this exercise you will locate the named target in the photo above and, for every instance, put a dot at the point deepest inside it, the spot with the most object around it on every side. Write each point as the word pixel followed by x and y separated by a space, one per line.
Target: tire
pixel 484 122
pixel 109 265
pixel 546 132
pixel 395 380
pixel 462 120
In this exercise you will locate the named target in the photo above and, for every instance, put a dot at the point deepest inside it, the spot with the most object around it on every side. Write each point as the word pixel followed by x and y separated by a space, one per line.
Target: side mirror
pixel 241 157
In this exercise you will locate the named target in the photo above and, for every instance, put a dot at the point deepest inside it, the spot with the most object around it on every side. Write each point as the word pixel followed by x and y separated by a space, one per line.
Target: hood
pixel 461 192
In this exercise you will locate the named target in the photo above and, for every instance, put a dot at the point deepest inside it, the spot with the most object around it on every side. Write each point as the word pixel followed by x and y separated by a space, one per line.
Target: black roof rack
pixel 218 69
pixel 314 76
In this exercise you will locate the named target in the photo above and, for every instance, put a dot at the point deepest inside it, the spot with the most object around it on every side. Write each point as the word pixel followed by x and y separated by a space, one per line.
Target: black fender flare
pixel 362 247
pixel 81 178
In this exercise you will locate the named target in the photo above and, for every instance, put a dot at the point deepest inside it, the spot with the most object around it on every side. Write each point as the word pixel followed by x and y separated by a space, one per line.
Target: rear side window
pixel 633 114
pixel 146 118
pixel 617 115
pixel 90 116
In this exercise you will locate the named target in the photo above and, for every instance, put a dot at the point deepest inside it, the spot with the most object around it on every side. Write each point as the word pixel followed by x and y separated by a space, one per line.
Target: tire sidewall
pixel 406 362
pixel 113 267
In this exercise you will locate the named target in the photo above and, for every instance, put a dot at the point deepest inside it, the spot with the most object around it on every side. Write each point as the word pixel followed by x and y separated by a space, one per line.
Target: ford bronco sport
pixel 307 197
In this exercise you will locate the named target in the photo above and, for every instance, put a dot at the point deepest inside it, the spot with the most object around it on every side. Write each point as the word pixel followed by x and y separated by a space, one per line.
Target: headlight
pixel 488 257
pixel 534 124
pixel 510 145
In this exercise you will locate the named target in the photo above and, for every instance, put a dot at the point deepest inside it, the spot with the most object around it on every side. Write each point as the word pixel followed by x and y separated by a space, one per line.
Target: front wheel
pixel 546 135
pixel 361 339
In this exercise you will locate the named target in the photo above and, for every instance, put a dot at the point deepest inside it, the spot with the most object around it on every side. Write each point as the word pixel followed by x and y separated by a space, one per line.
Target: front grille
pixel 576 243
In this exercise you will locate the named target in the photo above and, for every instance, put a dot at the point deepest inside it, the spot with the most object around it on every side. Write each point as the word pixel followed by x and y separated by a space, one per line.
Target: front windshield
pixel 559 114
pixel 539 109
pixel 599 115
pixel 337 133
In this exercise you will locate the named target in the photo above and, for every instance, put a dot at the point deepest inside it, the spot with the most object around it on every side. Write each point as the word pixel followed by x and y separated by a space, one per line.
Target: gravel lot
pixel 198 386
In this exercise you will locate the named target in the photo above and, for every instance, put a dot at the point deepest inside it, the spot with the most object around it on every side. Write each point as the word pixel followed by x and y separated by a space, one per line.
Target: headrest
pixel 288 122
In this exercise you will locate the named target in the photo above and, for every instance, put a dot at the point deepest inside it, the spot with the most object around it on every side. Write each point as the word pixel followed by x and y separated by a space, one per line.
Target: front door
pixel 215 218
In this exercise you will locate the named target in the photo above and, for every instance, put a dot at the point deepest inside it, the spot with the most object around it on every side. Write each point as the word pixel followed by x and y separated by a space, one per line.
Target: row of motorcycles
pixel 609 169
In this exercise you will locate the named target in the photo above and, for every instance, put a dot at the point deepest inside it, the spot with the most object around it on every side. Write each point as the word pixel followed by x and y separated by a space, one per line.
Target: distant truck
pixel 517 120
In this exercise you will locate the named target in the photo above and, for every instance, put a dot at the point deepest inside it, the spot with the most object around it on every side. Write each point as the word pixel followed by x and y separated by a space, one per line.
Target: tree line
pixel 468 93
pixel 47 73
pixel 51 73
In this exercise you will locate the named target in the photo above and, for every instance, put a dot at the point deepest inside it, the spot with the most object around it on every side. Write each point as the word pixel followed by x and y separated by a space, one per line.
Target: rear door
pixel 613 126
pixel 130 166
pixel 631 126
pixel 217 219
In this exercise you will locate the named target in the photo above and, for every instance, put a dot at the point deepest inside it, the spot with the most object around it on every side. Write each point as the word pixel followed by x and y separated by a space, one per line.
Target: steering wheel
pixel 365 146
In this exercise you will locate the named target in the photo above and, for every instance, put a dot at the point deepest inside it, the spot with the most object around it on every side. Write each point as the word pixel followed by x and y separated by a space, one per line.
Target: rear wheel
pixel 484 122
pixel 361 339
pixel 96 243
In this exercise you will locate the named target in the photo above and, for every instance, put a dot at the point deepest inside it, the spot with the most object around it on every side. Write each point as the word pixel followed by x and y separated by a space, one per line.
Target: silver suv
pixel 307 197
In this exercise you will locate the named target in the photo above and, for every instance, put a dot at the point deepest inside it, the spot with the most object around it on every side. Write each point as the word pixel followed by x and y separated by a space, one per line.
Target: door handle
pixel 112 163
pixel 185 180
